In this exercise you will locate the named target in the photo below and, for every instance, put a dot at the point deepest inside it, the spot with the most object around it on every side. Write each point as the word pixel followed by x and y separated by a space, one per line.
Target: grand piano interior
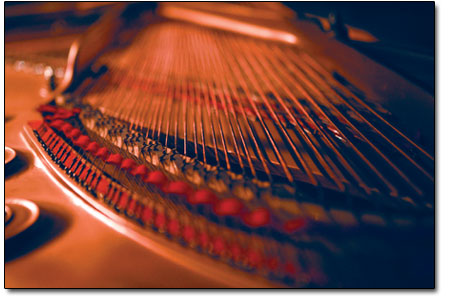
pixel 198 145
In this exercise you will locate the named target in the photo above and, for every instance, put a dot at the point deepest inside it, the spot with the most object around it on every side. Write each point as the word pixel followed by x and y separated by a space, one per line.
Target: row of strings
pixel 261 109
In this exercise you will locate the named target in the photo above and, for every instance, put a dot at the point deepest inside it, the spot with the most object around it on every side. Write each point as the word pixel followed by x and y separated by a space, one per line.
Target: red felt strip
pixel 74 133
pixel 203 239
pixel 46 136
pixel 115 196
pixel 76 110
pixel 92 147
pixel 127 164
pixel 61 110
pixel 63 115
pixel 67 128
pixel 173 227
pixel 160 220
pixel 102 153
pixel 236 251
pixel 157 178
pixel 202 196
pixel 91 179
pixel 75 167
pixel 56 124
pixel 103 186
pixel 228 207
pixel 147 215
pixel 84 174
pixel 272 263
pixel 82 141
pixel 52 145
pixel 294 225
pixel 114 159
pixel 132 204
pixel 61 152
pixel 255 259
pixel 35 125
pixel 178 188
pixel 79 169
pixel 45 108
pixel 70 159
pixel 219 246
pixel 290 269
pixel 189 234
pixel 123 201
pixel 258 217
pixel 140 170
pixel 138 210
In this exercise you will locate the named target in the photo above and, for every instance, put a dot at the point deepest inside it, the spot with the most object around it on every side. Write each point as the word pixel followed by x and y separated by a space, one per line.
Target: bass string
pixel 312 100
pixel 320 81
pixel 236 63
pixel 250 68
pixel 215 60
pixel 379 134
pixel 206 81
pixel 336 113
pixel 276 78
pixel 319 69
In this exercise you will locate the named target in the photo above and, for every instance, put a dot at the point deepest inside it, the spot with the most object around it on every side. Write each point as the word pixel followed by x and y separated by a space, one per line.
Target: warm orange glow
pixel 224 23
pixel 212 145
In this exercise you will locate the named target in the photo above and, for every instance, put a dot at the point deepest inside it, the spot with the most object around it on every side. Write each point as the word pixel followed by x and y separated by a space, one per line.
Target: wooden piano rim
pixel 172 251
